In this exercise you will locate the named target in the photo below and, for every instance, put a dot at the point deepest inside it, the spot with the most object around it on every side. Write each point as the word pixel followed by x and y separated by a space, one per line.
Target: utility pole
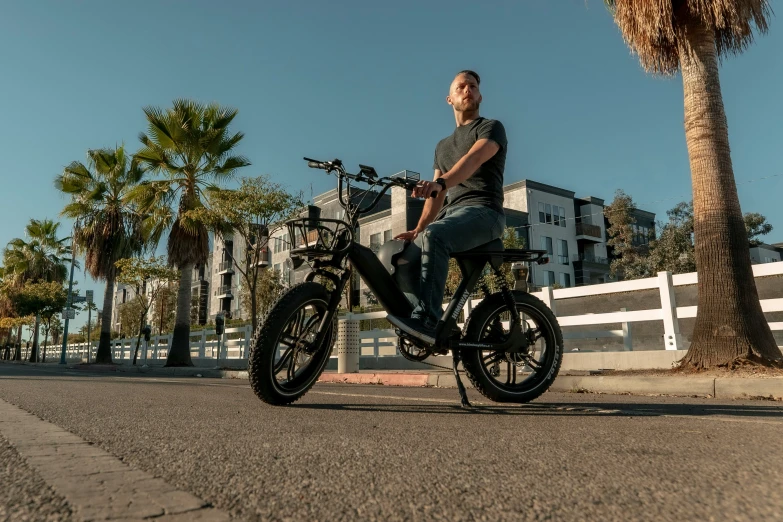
pixel 68 304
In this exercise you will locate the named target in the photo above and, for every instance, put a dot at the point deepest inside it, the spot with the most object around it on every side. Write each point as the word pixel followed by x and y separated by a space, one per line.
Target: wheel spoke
pixel 284 359
pixel 532 362
pixel 292 366
pixel 492 358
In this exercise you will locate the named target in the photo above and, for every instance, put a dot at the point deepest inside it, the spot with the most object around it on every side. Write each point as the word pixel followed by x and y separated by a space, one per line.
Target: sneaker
pixel 415 328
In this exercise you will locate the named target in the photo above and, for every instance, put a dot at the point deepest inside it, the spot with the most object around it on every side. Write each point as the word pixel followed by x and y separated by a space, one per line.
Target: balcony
pixel 223 292
pixel 226 267
pixel 263 257
pixel 590 259
pixel 588 232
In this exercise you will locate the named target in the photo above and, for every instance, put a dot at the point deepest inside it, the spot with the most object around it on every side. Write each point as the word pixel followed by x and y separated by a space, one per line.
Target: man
pixel 469 165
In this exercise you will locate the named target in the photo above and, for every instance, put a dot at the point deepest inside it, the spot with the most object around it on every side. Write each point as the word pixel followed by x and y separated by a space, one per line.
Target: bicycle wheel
pixel 519 377
pixel 284 362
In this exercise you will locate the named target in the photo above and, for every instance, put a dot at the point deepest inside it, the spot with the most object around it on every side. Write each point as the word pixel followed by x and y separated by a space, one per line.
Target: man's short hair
pixel 474 74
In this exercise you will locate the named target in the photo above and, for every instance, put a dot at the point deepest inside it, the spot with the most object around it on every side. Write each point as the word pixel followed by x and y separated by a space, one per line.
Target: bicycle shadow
pixel 611 409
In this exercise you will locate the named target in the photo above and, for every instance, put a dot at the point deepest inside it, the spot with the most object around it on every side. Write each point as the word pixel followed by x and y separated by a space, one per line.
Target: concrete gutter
pixel 682 386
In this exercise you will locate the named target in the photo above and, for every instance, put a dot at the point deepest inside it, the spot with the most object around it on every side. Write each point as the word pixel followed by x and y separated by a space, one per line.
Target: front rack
pixel 318 237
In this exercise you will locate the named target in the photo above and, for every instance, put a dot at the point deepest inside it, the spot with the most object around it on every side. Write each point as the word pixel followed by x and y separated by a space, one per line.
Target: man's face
pixel 464 94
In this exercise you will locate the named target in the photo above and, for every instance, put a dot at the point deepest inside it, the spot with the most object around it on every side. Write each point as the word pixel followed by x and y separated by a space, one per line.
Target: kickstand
pixel 462 393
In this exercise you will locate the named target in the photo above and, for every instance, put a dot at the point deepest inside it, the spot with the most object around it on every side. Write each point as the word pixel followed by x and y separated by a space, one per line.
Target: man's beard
pixel 467 105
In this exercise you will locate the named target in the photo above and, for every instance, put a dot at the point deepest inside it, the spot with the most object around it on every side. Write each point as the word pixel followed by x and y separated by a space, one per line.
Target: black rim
pixel 296 361
pixel 520 372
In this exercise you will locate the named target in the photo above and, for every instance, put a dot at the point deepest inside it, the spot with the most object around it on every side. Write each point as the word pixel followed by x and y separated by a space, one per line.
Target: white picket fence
pixel 234 344
pixel 383 342
pixel 379 343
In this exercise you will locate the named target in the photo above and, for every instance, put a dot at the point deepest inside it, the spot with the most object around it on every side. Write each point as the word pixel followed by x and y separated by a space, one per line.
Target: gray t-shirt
pixel 485 187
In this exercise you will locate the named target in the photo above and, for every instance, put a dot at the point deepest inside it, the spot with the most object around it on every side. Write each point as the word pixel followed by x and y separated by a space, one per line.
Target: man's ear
pixel 448 100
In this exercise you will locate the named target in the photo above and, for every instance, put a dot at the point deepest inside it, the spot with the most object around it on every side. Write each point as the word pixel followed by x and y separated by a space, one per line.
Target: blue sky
pixel 366 82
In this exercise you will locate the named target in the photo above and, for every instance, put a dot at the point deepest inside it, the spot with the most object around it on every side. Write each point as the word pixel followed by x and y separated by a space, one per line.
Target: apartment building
pixel 200 285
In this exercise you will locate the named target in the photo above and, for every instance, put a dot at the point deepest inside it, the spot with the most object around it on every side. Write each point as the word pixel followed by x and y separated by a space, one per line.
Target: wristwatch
pixel 441 182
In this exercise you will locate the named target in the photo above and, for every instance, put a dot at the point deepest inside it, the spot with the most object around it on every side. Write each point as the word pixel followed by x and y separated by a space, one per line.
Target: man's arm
pixel 479 153
pixel 431 208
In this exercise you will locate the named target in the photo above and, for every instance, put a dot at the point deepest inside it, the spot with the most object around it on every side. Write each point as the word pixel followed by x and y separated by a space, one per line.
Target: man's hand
pixel 410 235
pixel 425 189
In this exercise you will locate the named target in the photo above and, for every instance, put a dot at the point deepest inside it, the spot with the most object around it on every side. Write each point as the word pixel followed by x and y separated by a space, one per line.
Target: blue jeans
pixel 425 263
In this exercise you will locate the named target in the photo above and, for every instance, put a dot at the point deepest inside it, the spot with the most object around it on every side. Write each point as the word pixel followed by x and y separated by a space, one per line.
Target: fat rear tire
pixel 538 383
pixel 265 346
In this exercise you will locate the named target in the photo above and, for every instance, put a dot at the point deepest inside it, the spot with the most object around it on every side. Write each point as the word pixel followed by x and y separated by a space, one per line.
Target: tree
pixel 39 299
pixel 668 36
pixel 254 212
pixel 107 225
pixel 163 309
pixel 56 329
pixel 756 225
pixel 268 289
pixel 629 261
pixel 42 258
pixel 191 147
pixel 150 277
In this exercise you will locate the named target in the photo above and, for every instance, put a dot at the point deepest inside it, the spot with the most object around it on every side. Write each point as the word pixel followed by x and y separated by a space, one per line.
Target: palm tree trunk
pixel 179 351
pixel 34 351
pixel 103 355
pixel 730 326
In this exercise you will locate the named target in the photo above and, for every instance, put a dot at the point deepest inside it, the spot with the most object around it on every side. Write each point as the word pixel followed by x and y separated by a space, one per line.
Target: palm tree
pixel 191 147
pixel 690 36
pixel 107 226
pixel 42 258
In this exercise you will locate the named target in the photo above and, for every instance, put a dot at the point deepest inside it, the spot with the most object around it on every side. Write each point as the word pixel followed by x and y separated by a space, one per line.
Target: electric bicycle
pixel 510 346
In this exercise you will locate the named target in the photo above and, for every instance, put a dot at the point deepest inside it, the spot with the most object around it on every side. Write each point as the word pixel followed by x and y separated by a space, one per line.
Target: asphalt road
pixel 353 452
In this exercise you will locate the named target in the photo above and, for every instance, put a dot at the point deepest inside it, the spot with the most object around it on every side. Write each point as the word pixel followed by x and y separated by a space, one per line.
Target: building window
pixel 563 251
pixel 556 211
pixel 562 217
pixel 375 241
pixel 549 278
pixel 541 213
pixel 277 267
pixel 387 236
pixel 548 213
pixel 546 244
pixel 565 280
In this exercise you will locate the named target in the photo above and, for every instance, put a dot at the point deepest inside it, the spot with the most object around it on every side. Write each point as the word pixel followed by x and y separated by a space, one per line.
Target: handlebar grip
pixel 315 164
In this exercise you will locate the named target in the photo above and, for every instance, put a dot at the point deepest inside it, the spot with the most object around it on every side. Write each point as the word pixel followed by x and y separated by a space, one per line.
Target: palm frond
pixel 655 29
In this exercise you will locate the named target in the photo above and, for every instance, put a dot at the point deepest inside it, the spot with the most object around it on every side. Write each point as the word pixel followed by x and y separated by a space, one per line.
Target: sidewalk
pixel 733 387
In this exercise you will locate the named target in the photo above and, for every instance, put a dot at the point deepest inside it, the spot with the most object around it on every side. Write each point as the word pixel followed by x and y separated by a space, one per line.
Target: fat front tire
pixel 284 363
pixel 518 378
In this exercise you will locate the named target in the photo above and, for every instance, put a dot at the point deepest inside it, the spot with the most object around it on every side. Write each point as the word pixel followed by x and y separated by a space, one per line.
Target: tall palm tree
pixel 43 257
pixel 690 36
pixel 190 146
pixel 107 225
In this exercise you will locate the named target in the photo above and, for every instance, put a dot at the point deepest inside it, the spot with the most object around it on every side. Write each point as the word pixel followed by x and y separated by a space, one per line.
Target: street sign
pixel 89 296
pixel 69 313
pixel 78 299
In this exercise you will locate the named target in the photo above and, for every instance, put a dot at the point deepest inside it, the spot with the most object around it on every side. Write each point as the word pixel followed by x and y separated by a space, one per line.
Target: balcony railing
pixel 226 266
pixel 224 290
pixel 586 229
pixel 589 258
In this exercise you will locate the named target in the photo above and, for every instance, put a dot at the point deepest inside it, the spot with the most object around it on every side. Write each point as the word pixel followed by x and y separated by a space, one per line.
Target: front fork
pixel 339 283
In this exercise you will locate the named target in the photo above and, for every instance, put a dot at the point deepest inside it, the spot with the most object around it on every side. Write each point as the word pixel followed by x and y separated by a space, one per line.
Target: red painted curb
pixel 387 379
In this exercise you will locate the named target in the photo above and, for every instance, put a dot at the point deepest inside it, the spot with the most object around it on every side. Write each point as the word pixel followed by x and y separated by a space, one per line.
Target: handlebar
pixel 336 164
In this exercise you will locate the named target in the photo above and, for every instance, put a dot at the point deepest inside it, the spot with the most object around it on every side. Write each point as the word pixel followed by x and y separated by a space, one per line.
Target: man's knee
pixel 436 236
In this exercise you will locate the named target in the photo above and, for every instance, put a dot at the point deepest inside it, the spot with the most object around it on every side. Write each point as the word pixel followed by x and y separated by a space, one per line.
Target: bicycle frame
pixel 383 286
